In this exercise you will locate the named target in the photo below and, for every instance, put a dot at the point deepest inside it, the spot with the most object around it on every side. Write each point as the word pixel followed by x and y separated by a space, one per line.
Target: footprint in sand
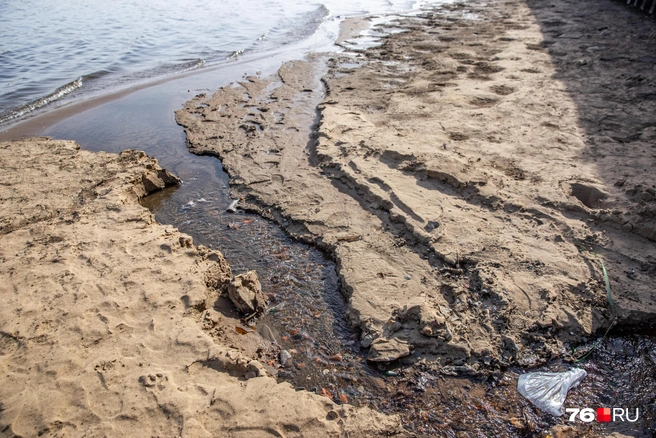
pixel 157 380
pixel 102 401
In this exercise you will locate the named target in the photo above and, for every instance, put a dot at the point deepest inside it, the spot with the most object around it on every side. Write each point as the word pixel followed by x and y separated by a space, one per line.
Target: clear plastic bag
pixel 547 391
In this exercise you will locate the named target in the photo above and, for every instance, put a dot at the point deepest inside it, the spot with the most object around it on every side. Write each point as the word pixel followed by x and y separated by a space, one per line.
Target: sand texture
pixel 467 177
pixel 105 315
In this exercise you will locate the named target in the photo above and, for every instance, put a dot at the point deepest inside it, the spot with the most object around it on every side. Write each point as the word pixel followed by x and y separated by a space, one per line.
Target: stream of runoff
pixel 307 310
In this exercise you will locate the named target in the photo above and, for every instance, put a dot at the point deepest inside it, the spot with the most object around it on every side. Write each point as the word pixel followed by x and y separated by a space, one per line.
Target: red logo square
pixel 603 415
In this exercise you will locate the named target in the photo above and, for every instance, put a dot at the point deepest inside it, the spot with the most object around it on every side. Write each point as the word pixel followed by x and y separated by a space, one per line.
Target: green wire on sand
pixel 609 295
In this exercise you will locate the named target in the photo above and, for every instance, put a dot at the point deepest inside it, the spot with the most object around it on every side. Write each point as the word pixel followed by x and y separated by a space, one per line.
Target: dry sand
pixel 465 176
pixel 104 314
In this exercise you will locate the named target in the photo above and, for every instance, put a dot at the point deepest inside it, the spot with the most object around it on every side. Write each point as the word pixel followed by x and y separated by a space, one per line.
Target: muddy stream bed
pixel 306 316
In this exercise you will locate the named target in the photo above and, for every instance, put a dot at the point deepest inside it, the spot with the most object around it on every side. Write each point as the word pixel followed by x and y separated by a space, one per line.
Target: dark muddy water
pixel 306 310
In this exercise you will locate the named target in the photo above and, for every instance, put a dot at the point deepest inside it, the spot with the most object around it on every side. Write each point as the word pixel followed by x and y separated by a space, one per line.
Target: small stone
pixel 285 358
pixel 157 180
pixel 245 292
pixel 256 369
pixel 384 350
pixel 628 226
pixel 337 358
pixel 407 277
pixel 366 341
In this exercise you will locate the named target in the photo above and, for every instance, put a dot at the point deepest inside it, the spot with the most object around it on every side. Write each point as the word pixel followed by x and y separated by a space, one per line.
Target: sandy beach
pixel 470 176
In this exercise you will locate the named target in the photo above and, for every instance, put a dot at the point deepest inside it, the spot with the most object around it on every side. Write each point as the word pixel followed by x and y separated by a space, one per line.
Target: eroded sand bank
pixel 465 177
pixel 104 316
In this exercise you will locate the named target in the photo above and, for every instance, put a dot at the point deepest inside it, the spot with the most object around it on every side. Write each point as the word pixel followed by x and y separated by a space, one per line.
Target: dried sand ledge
pixel 100 330
pixel 465 177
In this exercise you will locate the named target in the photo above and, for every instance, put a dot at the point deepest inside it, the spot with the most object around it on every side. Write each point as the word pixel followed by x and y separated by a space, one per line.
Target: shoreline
pixel 35 125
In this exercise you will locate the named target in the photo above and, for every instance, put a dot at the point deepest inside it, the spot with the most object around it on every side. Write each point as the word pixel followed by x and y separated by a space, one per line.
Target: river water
pixel 53 52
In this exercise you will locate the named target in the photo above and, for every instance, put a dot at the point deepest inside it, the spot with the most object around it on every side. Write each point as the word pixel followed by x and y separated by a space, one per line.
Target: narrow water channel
pixel 306 314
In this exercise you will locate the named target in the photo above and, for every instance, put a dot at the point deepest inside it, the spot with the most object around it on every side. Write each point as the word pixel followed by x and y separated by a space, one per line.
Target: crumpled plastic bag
pixel 547 391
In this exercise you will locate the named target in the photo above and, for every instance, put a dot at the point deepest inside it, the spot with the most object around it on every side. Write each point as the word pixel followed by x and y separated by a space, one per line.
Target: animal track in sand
pixel 9 344
pixel 482 101
pixel 502 90
pixel 155 381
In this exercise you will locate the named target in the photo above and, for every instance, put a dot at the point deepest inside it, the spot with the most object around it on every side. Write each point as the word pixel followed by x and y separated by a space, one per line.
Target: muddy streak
pixel 306 315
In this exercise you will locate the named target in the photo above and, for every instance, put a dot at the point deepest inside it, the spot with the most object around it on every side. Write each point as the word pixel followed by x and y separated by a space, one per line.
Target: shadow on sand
pixel 604 52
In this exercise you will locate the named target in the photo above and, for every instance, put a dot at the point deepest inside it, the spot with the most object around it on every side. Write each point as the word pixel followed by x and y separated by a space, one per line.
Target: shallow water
pixel 54 52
